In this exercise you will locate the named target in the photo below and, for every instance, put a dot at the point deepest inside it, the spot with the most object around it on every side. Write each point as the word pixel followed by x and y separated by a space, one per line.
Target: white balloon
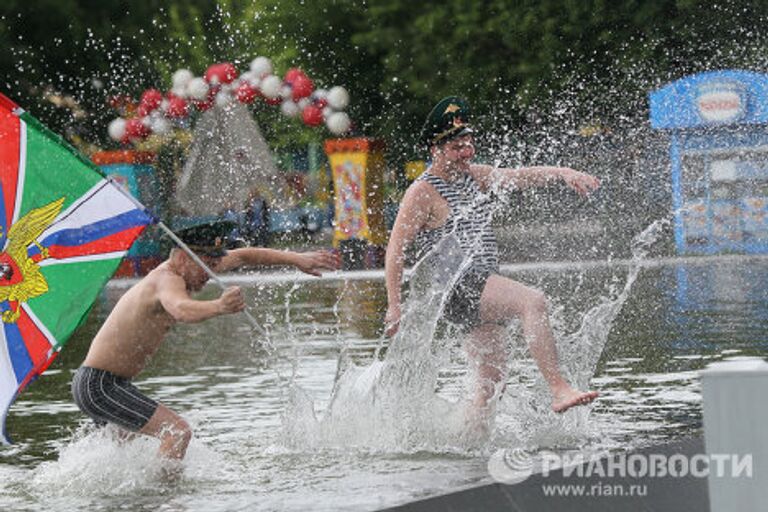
pixel 304 102
pixel 320 94
pixel 338 123
pixel 223 98
pixel 164 105
pixel 181 78
pixel 290 108
pixel 338 97
pixel 270 86
pixel 327 112
pixel 116 129
pixel 160 125
pixel 197 88
pixel 261 67
pixel 286 92
pixel 181 92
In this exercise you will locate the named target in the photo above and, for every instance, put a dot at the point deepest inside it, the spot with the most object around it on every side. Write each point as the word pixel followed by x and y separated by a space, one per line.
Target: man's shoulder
pixel 159 276
pixel 421 188
pixel 420 196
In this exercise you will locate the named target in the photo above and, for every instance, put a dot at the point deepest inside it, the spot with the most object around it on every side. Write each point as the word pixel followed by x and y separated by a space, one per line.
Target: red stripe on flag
pixel 40 369
pixel 9 160
pixel 37 371
pixel 117 242
pixel 36 342
pixel 7 103
pixel 38 347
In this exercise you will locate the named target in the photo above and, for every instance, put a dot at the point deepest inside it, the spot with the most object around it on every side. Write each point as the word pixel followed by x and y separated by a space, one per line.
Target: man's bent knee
pixel 166 422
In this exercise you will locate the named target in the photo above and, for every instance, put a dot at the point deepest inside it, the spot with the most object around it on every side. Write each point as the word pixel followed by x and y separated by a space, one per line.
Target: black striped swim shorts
pixel 107 398
pixel 463 305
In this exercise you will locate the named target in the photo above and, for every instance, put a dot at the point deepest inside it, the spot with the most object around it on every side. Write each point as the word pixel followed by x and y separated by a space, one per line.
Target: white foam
pixel 95 462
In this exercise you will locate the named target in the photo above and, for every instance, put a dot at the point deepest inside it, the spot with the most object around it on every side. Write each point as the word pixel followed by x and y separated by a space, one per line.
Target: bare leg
pixel 172 430
pixel 503 298
pixel 123 436
pixel 488 356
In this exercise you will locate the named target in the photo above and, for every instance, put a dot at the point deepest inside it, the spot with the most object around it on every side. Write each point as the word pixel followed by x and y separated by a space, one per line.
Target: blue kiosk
pixel 718 127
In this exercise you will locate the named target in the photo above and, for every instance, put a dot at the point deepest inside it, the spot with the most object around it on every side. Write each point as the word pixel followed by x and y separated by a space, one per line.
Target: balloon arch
pixel 221 85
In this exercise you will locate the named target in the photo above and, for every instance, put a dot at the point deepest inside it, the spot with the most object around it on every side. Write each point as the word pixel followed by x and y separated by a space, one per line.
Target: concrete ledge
pixel 663 493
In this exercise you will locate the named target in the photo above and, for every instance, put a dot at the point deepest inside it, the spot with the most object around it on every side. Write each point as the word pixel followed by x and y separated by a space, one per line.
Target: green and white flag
pixel 64 228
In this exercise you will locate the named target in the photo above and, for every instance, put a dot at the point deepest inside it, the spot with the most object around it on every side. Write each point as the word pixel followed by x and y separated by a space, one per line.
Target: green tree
pixel 593 59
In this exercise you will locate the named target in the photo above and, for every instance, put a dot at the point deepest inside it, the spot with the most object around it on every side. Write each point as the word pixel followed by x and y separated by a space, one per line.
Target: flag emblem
pixel 21 278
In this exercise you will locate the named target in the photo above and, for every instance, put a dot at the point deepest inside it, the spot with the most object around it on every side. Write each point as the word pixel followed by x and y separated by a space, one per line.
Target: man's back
pixel 134 329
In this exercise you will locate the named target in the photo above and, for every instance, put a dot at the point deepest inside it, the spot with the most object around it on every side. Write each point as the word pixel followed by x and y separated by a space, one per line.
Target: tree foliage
pixel 397 57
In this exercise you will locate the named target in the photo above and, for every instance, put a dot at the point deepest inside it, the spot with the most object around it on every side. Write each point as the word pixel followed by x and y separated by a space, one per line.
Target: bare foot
pixel 569 397
pixel 478 424
pixel 171 472
pixel 476 415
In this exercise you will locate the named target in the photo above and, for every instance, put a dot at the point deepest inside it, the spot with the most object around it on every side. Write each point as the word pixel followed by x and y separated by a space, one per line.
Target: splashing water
pixel 99 463
pixel 524 419
pixel 391 405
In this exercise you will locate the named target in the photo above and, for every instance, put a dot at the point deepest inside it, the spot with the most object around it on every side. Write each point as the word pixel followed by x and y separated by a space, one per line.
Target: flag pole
pixel 187 250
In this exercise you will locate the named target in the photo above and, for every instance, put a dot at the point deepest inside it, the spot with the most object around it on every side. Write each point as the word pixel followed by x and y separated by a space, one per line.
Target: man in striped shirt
pixel 453 197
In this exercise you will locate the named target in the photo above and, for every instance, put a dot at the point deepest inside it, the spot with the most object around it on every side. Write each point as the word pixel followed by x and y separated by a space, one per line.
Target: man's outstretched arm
pixel 537 176
pixel 310 262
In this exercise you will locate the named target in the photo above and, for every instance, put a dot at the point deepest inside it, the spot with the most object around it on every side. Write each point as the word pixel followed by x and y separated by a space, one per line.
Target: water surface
pixel 680 315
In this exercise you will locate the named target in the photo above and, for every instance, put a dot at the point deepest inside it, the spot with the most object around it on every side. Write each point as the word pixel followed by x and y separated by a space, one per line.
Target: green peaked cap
pixel 206 237
pixel 447 120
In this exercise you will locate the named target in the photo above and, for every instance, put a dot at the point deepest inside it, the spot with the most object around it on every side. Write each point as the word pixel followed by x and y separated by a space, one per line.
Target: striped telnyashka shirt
pixel 470 221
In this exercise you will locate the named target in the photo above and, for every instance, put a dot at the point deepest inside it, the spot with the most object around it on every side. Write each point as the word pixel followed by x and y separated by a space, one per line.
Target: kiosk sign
pixel 721 102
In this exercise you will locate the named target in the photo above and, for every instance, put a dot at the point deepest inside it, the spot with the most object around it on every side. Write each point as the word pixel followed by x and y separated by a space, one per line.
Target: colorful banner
pixel 63 230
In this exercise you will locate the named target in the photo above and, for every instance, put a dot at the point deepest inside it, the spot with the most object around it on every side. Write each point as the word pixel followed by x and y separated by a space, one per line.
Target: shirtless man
pixel 452 197
pixel 137 325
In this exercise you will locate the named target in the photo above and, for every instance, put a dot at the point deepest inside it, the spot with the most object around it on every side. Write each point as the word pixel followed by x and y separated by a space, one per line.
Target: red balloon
pixel 135 129
pixel 223 73
pixel 177 107
pixel 273 101
pixel 212 73
pixel 209 101
pixel 151 99
pixel 142 110
pixel 321 103
pixel 203 105
pixel 302 87
pixel 292 74
pixel 312 116
pixel 246 93
pixel 228 73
